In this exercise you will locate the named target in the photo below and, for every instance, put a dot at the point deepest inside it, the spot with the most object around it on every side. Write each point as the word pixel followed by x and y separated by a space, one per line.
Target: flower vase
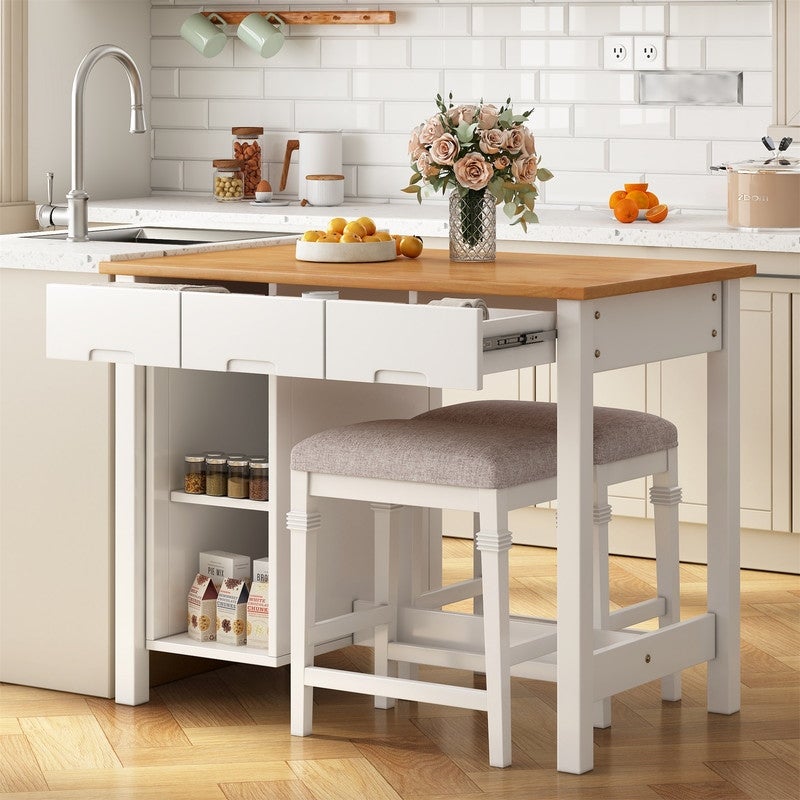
pixel 473 226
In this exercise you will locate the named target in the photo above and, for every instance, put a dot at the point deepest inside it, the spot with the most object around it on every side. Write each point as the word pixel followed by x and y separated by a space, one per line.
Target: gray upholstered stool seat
pixel 488 444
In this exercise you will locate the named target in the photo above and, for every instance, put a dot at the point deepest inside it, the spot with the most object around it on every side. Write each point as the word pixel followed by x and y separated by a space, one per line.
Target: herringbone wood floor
pixel 224 734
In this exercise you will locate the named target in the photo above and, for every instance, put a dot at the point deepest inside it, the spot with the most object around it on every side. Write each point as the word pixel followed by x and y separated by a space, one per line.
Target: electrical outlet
pixel 649 52
pixel 618 52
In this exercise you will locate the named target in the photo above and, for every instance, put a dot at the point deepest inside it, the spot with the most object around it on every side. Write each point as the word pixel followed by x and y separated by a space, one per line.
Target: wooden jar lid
pixel 324 177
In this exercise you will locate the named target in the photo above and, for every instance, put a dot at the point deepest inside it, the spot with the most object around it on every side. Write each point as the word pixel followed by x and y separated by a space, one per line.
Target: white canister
pixel 325 190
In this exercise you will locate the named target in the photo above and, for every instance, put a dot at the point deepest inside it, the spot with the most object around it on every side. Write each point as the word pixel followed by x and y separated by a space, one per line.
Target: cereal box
pixel 258 615
pixel 261 569
pixel 201 618
pixel 219 564
pixel 232 612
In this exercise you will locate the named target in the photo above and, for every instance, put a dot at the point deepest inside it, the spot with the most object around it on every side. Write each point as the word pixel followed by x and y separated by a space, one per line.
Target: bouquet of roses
pixel 478 148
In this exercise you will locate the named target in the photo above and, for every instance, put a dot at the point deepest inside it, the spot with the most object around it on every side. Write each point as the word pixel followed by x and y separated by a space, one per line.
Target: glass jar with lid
pixel 259 478
pixel 194 474
pixel 216 475
pixel 248 148
pixel 228 179
pixel 238 477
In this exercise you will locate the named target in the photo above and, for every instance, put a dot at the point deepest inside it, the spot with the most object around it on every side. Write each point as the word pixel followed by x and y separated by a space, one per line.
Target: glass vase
pixel 473 226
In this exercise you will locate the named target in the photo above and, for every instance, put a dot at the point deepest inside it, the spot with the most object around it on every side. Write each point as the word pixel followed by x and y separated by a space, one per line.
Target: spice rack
pixel 180 496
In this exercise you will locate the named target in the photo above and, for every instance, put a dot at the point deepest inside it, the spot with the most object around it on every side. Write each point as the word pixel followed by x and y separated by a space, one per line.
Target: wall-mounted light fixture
pixel 203 32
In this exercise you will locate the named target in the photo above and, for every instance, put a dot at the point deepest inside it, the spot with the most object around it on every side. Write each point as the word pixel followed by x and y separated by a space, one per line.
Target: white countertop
pixel 556 224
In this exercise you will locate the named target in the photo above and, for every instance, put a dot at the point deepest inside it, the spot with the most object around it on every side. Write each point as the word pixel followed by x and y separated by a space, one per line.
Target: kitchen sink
pixel 173 236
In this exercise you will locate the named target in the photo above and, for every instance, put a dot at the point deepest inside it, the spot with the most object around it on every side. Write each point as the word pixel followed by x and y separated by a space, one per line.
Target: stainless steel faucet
pixel 75 213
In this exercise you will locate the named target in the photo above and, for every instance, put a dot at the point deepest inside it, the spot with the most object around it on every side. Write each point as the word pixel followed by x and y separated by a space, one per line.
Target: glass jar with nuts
pixel 194 476
pixel 247 149
pixel 228 179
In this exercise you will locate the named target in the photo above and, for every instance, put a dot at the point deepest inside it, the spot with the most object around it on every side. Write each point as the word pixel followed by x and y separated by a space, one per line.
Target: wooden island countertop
pixel 515 274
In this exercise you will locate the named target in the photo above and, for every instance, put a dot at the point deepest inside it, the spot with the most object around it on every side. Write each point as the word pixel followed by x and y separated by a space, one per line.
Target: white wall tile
pixel 571 154
pixel 192 144
pixel 164 83
pixel 587 87
pixel 430 20
pixel 684 53
pixel 380 181
pixel 690 191
pixel 268 114
pixel 375 148
pixel 721 122
pixel 588 188
pixel 352 116
pixel 601 19
pixel 667 155
pixel 296 52
pixel 221 83
pixel 307 83
pixel 178 113
pixel 720 19
pixel 458 53
pixel 364 53
pixel 623 121
pixel 501 20
pixel 197 176
pixel 574 53
pixel 757 89
pixel 166 174
pixel 168 21
pixel 389 84
pixel 551 120
pixel 177 53
pixel 494 86
pixel 747 52
pixel 726 152
pixel 400 117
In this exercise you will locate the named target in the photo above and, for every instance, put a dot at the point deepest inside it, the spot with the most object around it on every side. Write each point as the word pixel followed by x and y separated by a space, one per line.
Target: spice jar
pixel 238 478
pixel 216 475
pixel 194 474
pixel 228 179
pixel 259 479
pixel 247 148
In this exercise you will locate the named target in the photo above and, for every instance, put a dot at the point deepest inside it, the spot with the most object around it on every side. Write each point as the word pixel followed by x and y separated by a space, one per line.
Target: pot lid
pixel 774 164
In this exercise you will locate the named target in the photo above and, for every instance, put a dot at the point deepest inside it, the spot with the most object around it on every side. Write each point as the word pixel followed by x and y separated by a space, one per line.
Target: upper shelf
pixel 313 17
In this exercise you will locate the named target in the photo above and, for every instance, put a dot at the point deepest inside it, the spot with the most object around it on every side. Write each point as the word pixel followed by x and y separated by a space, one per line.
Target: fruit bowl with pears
pixel 354 241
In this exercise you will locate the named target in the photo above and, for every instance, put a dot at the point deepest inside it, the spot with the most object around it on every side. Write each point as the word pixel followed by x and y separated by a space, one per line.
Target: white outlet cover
pixel 649 52
pixel 618 52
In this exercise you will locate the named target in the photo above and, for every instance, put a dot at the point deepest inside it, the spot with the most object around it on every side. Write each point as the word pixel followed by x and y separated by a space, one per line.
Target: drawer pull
pixel 517 339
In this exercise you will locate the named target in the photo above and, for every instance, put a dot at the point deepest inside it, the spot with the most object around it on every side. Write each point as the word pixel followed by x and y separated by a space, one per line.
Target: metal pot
pixel 764 194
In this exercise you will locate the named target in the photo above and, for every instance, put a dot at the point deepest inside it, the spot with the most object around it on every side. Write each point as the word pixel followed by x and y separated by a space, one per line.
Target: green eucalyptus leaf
pixel 465 131
pixel 416 177
pixel 509 209
pixel 411 189
pixel 544 174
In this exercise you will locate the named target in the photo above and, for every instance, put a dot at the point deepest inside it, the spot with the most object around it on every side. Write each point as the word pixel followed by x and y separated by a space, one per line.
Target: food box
pixel 258 615
pixel 202 609
pixel 341 253
pixel 232 612
pixel 219 564
pixel 260 569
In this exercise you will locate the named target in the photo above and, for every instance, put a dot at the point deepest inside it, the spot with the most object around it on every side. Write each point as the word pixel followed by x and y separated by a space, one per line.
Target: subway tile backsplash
pixel 376 82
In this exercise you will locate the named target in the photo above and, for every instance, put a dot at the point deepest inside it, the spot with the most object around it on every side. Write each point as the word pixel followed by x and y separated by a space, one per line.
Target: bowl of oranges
pixel 635 202
pixel 354 241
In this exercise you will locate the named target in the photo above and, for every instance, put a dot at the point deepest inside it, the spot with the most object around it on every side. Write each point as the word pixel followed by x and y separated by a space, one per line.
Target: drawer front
pixel 253 333
pixel 425 345
pixel 113 324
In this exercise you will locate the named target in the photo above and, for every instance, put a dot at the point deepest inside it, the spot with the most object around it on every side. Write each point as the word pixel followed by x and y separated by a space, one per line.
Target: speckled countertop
pixel 556 224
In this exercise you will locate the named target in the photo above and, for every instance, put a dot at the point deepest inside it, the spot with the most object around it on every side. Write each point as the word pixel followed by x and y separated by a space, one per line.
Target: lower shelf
pixel 181 644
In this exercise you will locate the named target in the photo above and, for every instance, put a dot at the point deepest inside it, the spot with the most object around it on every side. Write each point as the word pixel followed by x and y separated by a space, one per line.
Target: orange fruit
pixel 657 213
pixel 368 224
pixel 636 187
pixel 350 238
pixel 653 199
pixel 410 246
pixel 397 239
pixel 616 197
pixel 640 198
pixel 336 225
pixel 313 236
pixel 626 210
pixel 355 229
pixel 371 237
pixel 384 236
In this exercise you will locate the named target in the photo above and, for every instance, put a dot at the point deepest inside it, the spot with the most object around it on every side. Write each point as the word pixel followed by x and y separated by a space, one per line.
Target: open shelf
pixel 179 496
pixel 181 644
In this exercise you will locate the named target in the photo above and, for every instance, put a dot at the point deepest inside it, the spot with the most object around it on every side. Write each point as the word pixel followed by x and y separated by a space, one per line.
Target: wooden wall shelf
pixel 313 17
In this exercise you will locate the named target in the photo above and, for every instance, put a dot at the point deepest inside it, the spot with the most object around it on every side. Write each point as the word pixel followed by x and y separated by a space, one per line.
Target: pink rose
pixel 415 148
pixel 425 166
pixel 487 117
pixel 528 143
pixel 524 168
pixel 445 149
pixel 431 129
pixel 473 171
pixel 468 114
pixel 514 140
pixel 491 141
pixel 501 163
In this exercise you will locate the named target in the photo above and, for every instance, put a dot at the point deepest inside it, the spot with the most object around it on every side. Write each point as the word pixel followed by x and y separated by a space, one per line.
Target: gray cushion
pixel 484 444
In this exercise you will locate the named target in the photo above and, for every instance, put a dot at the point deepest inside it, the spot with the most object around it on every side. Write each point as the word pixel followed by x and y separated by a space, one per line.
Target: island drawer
pixel 113 323
pixel 427 345
pixel 253 333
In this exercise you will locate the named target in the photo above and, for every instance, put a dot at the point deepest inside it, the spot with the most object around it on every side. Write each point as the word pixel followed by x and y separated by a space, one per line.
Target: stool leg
pixel 386 583
pixel 477 602
pixel 602 516
pixel 665 496
pixel 494 542
pixel 303 525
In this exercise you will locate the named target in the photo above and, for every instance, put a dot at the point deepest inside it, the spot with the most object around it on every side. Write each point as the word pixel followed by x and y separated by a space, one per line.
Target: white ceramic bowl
pixel 263 197
pixel 338 253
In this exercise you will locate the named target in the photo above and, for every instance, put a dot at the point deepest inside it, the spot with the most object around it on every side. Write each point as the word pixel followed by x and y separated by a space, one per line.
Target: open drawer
pixel 113 323
pixel 427 345
pixel 253 333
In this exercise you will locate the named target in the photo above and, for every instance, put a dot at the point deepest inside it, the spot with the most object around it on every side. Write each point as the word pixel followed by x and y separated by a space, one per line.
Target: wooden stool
pixel 484 457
